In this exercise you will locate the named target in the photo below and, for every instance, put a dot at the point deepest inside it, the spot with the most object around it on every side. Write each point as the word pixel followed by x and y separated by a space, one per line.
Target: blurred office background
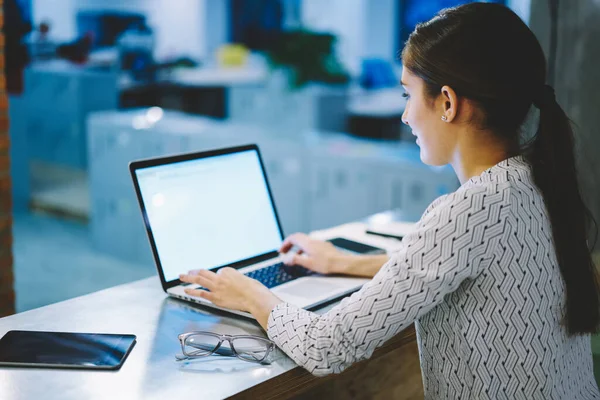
pixel 94 84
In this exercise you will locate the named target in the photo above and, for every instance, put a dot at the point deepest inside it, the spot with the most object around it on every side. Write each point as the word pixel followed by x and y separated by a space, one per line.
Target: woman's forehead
pixel 408 78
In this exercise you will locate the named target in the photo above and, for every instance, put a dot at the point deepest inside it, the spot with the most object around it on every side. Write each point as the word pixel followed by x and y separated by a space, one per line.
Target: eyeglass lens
pixel 200 345
pixel 251 349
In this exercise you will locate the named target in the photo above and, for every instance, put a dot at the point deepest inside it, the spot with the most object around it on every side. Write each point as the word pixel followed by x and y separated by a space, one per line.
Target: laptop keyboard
pixel 277 274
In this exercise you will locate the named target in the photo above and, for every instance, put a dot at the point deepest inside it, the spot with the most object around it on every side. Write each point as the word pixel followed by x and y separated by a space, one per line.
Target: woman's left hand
pixel 229 288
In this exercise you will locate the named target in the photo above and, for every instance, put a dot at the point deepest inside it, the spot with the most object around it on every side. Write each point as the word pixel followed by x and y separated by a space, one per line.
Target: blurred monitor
pixel 413 12
pixel 107 26
pixel 256 23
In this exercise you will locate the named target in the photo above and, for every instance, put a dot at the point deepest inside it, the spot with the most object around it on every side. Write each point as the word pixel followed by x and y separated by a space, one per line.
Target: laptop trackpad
pixel 301 287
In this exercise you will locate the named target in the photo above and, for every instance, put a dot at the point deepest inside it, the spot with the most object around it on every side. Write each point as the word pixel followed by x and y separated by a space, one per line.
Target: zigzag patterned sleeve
pixel 448 245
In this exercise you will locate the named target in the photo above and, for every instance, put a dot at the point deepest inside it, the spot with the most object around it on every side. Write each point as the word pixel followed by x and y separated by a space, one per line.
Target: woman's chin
pixel 424 157
pixel 432 162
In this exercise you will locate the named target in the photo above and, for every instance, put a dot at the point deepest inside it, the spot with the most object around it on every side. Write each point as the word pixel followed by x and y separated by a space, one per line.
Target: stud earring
pixel 444 118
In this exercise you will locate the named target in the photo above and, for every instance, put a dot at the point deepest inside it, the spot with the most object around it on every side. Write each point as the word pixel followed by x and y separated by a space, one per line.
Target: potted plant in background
pixel 307 57
pixel 308 87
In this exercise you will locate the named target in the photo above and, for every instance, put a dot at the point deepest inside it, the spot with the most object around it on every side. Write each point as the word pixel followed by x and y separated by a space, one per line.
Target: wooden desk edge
pixel 298 380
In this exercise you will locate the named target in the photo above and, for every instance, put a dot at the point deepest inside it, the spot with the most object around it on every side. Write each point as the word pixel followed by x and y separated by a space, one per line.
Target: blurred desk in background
pixel 377 114
pixel 201 91
pixel 48 119
pixel 217 76
pixel 52 110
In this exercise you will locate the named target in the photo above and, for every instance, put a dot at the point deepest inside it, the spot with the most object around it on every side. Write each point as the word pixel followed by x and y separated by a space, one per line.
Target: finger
pixel 202 272
pixel 303 261
pixel 188 278
pixel 194 271
pixel 287 258
pixel 291 241
pixel 199 280
pixel 300 240
pixel 286 245
pixel 201 293
pixel 228 270
pixel 206 274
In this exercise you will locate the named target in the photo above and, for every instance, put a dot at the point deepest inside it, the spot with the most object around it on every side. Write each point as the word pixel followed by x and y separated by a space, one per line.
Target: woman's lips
pixel 415 135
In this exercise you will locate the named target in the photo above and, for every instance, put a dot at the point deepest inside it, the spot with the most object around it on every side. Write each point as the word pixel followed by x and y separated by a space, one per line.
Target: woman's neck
pixel 473 157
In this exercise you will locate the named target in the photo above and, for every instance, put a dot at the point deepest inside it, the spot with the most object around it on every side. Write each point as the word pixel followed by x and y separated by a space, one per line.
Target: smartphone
pixel 65 350
pixel 355 247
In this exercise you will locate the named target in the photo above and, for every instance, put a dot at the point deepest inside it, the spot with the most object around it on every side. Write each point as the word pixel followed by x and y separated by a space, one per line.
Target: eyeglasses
pixel 245 347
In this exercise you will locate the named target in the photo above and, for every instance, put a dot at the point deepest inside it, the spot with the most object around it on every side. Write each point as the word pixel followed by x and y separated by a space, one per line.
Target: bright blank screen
pixel 209 212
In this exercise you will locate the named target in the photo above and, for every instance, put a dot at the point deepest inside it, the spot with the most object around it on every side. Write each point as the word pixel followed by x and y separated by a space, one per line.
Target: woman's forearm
pixel 260 304
pixel 359 265
pixel 262 301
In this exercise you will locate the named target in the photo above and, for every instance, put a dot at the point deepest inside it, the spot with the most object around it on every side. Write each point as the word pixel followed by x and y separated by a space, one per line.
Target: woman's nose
pixel 404 119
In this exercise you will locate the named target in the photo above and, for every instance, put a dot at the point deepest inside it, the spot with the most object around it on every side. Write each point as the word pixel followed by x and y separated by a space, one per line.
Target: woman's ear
pixel 449 104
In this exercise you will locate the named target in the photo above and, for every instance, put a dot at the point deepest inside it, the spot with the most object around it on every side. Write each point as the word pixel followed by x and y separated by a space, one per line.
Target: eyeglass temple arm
pixel 223 351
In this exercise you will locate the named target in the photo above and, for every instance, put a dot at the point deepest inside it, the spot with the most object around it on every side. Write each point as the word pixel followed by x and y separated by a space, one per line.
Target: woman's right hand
pixel 315 255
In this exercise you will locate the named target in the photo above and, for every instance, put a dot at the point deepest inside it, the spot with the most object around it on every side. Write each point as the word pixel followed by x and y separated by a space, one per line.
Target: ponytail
pixel 552 158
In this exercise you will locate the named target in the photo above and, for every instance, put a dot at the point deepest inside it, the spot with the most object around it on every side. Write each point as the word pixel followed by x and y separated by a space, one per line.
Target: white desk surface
pixel 150 372
pixel 204 77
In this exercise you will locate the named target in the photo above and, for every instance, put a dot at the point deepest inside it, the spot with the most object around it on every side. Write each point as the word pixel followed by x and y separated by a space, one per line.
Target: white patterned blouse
pixel 480 279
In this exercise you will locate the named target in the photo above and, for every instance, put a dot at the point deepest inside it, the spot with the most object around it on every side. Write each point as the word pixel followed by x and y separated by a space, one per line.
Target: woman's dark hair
pixel 484 52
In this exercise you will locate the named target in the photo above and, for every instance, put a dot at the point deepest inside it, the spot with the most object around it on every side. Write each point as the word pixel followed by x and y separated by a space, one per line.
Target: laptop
pixel 215 209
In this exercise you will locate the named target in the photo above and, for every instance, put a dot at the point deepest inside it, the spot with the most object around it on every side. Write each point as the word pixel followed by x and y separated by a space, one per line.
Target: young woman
pixel 497 276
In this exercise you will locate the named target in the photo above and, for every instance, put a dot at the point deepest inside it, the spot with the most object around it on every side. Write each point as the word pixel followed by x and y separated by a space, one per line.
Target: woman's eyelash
pixel 405 94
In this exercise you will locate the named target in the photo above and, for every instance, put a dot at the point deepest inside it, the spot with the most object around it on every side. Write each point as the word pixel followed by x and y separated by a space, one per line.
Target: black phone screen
pixel 355 247
pixel 66 350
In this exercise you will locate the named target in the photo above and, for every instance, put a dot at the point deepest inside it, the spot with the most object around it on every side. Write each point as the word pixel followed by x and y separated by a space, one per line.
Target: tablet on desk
pixel 65 350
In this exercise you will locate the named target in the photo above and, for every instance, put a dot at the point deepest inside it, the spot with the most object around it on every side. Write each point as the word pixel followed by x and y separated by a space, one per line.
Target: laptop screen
pixel 209 212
